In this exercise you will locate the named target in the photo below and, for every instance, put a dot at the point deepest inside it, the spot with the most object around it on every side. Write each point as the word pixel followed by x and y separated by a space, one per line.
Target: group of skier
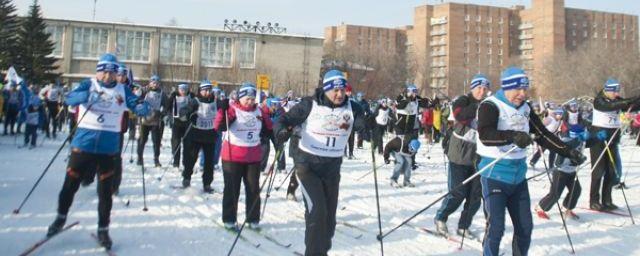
pixel 485 141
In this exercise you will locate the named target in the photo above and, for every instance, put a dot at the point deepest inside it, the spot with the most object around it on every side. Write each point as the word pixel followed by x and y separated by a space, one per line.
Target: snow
pixel 187 222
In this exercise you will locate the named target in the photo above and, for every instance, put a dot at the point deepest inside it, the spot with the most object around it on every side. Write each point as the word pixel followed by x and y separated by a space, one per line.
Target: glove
pixel 94 97
pixel 183 112
pixel 602 135
pixel 387 161
pixel 584 136
pixel 576 157
pixel 283 135
pixel 141 110
pixel 224 104
pixel 521 139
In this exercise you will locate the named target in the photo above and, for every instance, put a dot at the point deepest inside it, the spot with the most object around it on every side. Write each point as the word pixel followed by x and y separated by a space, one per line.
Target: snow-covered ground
pixel 185 222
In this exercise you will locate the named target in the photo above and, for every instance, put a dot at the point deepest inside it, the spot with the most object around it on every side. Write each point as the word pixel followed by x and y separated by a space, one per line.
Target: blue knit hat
pixel 333 79
pixel 612 85
pixel 479 80
pixel 412 88
pixel 107 63
pixel 514 78
pixel 184 87
pixel 247 90
pixel 414 145
pixel 155 78
pixel 122 69
pixel 558 111
pixel 205 85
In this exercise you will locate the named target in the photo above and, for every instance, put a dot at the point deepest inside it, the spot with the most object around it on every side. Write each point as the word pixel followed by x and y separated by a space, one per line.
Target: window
pixel 500 52
pixel 585 34
pixel 133 45
pixel 595 34
pixel 467 17
pixel 500 41
pixel 175 48
pixel 479 18
pixel 501 21
pixel 584 24
pixel 489 51
pixel 56 38
pixel 247 52
pixel 89 42
pixel 573 32
pixel 216 51
pixel 490 20
pixel 489 41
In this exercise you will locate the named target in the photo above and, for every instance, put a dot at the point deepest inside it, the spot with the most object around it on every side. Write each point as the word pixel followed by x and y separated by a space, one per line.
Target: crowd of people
pixel 484 135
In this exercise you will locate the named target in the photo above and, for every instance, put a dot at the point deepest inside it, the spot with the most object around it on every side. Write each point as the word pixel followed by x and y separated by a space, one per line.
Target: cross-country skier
pixel 505 121
pixel 179 102
pixel 153 124
pixel 52 95
pixel 101 105
pixel 402 151
pixel 461 151
pixel 326 120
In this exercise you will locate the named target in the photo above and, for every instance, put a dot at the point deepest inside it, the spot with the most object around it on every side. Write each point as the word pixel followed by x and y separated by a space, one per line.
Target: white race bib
pixel 245 131
pixel 610 119
pixel 205 115
pixel 106 114
pixel 326 131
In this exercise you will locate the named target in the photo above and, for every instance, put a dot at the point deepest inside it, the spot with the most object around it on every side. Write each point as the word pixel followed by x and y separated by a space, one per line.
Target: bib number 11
pixel 331 142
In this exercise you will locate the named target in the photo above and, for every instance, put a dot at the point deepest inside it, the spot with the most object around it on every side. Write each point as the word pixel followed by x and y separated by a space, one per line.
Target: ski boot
pixel 57 225
pixel 441 228
pixel 104 239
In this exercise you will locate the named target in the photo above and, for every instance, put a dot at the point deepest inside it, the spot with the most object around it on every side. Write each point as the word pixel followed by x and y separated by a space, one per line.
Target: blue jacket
pixel 95 141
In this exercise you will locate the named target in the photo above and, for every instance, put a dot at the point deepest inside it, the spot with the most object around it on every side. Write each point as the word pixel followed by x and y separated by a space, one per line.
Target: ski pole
pixel 369 172
pixel 144 188
pixel 613 163
pixel 133 146
pixel 17 210
pixel 175 152
pixel 285 179
pixel 465 182
pixel 564 223
pixel 253 206
pixel 375 182
pixel 271 179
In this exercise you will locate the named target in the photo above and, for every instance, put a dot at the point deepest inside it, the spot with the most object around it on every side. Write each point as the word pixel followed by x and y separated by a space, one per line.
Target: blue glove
pixel 584 136
pixel 141 110
pixel 94 97
pixel 602 135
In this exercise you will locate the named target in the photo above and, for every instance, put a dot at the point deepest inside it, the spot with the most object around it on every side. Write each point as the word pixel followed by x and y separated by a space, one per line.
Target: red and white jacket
pixel 241 143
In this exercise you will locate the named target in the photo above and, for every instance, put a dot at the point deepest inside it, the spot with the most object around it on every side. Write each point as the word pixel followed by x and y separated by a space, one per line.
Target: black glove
pixel 224 104
pixel 521 139
pixel 183 112
pixel 576 157
pixel 387 161
pixel 282 136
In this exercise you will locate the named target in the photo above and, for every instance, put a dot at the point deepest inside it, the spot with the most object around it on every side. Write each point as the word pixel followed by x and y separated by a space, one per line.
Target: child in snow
pixel 33 121
pixel 563 176
pixel 402 151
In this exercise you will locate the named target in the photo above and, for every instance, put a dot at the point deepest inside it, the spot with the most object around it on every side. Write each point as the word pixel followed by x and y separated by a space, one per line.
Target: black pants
pixel 82 165
pixel 177 133
pixel 350 143
pixel 117 176
pixel 10 118
pixel 561 180
pixel 320 186
pixel 156 137
pixel 536 156
pixel 604 174
pixel 53 123
pixel 470 193
pixel 133 124
pixel 378 132
pixel 266 148
pixel 72 124
pixel 249 175
pixel 191 151
pixel 31 134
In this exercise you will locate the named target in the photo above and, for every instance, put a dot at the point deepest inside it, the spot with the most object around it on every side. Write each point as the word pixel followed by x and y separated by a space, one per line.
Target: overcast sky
pixel 298 16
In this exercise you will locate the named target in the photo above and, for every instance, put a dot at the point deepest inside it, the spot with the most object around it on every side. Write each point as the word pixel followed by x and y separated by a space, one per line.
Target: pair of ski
pixel 260 233
pixel 449 238
pixel 67 227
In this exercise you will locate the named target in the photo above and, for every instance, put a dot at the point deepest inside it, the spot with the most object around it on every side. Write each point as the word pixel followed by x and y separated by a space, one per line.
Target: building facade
pixel 187 55
pixel 449 43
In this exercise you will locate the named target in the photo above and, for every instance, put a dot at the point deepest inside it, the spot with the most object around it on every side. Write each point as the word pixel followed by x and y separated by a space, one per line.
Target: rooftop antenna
pixel 94 9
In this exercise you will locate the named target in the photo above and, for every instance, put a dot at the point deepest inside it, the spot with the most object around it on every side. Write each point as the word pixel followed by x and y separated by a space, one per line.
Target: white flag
pixel 12 76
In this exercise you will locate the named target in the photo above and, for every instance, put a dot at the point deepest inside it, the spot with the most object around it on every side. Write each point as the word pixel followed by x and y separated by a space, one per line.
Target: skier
pixel 564 175
pixel 35 119
pixel 461 151
pixel 13 97
pixel 572 116
pixel 122 77
pixel 52 94
pixel 407 124
pixel 364 134
pixel 153 123
pixel 352 136
pixel 382 115
pixel 102 103
pixel 326 120
pixel 607 106
pixel 402 151
pixel 505 121
pixel 202 136
pixel 241 154
pixel 553 122
pixel 179 102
